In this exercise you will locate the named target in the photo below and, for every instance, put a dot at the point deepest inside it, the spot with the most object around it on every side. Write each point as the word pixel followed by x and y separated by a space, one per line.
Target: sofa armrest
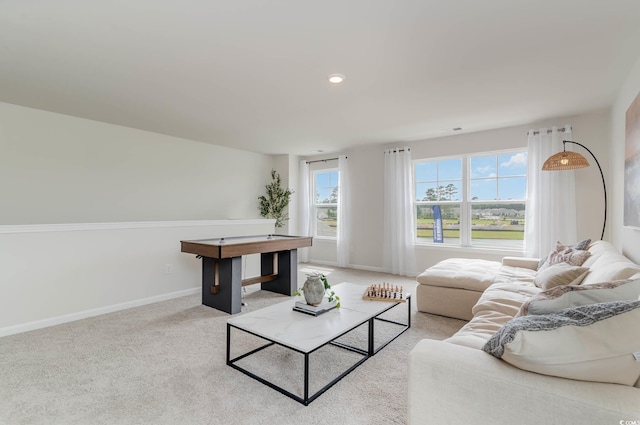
pixel 524 262
pixel 453 384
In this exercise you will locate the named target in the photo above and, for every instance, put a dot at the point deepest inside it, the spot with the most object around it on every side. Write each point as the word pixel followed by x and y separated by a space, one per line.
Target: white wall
pixel 60 169
pixel 626 239
pixel 57 171
pixel 287 166
pixel 52 274
pixel 367 174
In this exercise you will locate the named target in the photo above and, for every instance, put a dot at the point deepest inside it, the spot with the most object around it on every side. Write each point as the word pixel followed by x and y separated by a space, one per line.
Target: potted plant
pixel 274 204
pixel 315 288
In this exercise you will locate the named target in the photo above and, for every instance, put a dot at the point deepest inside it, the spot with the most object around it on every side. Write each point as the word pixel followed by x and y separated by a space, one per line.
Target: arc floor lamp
pixel 572 160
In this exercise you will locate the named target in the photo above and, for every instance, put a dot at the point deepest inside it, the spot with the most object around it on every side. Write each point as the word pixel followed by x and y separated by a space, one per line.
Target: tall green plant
pixel 274 204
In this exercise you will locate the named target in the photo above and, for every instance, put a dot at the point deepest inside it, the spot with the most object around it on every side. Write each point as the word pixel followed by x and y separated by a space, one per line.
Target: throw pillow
pixel 565 254
pixel 579 246
pixel 570 296
pixel 595 342
pixel 560 274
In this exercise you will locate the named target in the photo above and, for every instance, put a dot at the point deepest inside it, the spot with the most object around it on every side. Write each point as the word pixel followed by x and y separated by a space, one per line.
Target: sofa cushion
pixel 477 332
pixel 570 296
pixel 560 274
pixel 524 262
pixel 595 342
pixel 463 273
pixel 607 264
pixel 449 302
pixel 513 287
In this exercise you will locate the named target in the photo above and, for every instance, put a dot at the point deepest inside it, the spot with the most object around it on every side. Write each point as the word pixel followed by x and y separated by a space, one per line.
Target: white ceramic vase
pixel 313 289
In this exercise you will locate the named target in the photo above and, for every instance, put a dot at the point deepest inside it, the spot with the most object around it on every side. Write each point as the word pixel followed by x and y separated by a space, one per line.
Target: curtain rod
pixel 323 160
pixel 562 130
pixel 399 150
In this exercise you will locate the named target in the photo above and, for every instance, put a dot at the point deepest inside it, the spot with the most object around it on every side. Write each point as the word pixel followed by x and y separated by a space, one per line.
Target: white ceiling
pixel 252 74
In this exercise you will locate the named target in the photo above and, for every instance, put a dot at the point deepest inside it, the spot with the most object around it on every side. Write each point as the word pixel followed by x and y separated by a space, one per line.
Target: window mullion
pixel 465 212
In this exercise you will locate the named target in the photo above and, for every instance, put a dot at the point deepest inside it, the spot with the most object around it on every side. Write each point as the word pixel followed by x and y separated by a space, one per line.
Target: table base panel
pixel 222 279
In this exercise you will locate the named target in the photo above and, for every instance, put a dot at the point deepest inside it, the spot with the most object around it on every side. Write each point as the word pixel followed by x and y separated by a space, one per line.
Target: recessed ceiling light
pixel 336 78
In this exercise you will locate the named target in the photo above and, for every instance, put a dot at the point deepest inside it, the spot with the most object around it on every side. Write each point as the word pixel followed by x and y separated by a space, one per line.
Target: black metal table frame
pixel 369 352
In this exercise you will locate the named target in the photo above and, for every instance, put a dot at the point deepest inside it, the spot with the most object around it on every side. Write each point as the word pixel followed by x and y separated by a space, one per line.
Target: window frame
pixel 315 206
pixel 465 202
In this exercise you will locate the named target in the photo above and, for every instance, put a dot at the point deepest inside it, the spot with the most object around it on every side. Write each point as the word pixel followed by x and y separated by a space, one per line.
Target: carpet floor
pixel 164 363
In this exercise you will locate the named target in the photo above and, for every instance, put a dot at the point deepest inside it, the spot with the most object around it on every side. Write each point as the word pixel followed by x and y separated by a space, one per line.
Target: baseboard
pixel 39 324
pixel 350 266
pixel 322 263
pixel 368 268
pixel 356 266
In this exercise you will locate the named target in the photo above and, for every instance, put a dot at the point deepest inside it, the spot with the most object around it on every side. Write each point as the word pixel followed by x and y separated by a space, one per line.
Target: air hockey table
pixel 222 266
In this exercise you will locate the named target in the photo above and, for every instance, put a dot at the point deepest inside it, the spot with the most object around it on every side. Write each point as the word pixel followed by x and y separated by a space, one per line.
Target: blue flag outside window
pixel 437 225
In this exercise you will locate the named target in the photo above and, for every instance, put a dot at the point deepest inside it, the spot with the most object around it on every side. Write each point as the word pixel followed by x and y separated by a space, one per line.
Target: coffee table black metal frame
pixel 369 352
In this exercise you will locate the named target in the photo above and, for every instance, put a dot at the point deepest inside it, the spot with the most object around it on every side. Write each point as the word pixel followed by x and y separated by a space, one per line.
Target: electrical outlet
pixel 168 268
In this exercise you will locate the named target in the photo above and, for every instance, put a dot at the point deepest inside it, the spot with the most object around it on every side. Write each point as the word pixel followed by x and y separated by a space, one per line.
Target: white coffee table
pixel 305 334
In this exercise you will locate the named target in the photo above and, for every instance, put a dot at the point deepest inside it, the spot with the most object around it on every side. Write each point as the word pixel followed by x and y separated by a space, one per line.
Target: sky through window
pixel 492 177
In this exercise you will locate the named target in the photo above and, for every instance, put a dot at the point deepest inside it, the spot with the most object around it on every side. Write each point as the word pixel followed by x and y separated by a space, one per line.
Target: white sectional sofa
pixel 455 382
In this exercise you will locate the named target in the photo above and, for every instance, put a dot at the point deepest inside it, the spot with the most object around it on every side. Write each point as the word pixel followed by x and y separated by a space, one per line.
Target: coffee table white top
pixel 305 333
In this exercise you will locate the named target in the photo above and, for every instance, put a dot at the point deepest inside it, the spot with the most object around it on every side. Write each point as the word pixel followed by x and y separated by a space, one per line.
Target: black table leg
pixel 226 293
pixel 285 264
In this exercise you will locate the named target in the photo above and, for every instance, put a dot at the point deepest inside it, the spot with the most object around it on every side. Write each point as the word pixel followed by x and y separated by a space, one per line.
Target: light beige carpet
pixel 164 363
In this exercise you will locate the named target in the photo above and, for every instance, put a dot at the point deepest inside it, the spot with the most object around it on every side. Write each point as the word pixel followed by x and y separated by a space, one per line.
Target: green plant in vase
pixel 274 203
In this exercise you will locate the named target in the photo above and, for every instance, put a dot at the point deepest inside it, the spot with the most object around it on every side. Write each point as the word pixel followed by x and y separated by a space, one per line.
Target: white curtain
pixel 344 224
pixel 399 213
pixel 551 206
pixel 304 209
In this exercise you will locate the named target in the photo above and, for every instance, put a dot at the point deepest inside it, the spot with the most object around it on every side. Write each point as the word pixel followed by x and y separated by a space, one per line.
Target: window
pixel 480 198
pixel 498 188
pixel 439 183
pixel 325 204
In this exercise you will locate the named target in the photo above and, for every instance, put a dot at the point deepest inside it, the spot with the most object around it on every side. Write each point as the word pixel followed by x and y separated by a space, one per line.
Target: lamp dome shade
pixel 565 160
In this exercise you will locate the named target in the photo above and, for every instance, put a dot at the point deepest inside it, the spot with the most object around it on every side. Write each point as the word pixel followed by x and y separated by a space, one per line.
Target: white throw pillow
pixel 590 343
pixel 570 296
pixel 560 274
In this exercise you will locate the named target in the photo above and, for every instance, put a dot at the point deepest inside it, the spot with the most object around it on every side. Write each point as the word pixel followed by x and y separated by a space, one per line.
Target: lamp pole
pixel 604 186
